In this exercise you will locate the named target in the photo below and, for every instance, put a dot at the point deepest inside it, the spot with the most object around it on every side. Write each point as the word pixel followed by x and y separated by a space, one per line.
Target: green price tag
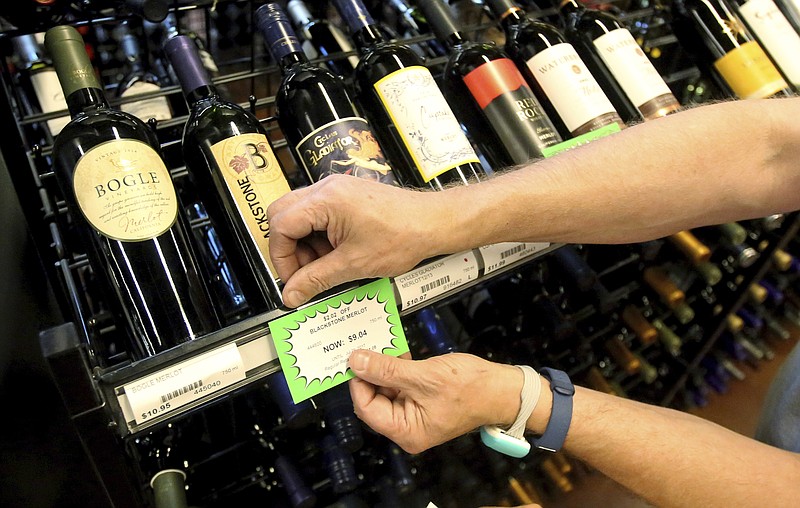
pixel 314 343
pixel 581 140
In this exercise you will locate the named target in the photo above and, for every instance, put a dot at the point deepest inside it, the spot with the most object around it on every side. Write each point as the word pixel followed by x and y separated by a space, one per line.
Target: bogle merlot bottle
pixel 490 95
pixel 324 130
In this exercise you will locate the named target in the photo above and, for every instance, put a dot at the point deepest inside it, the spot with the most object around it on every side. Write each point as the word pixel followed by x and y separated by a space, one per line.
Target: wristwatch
pixel 561 415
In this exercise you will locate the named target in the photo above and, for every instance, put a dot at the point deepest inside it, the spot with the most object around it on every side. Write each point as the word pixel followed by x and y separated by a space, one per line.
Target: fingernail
pixel 294 299
pixel 359 361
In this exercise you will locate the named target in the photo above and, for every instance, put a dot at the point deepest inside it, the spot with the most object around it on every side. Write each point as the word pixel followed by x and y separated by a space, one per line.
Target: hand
pixel 420 404
pixel 344 228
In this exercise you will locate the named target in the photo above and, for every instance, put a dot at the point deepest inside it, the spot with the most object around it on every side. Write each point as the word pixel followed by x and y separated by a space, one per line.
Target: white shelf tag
pixel 498 255
pixel 436 278
pixel 184 382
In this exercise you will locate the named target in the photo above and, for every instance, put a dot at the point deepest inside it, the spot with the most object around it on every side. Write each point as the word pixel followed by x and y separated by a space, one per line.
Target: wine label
pixel 776 34
pixel 749 72
pixel 576 95
pixel 315 342
pixel 254 179
pixel 125 191
pixel 425 122
pixel 511 109
pixel 346 146
pixel 640 81
pixel 145 109
pixel 51 98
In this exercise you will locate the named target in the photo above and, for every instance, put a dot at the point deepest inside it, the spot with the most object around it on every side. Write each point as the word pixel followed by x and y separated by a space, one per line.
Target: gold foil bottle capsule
pixel 623 356
pixel 756 293
pixel 782 260
pixel 554 474
pixel 597 381
pixel 563 463
pixel 658 279
pixel 525 493
pixel 734 323
pixel 635 320
pixel 694 249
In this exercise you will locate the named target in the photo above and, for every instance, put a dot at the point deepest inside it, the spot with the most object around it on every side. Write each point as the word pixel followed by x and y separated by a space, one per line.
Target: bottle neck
pixel 368 36
pixel 454 40
pixel 200 93
pixel 512 18
pixel 568 6
pixel 86 99
pixel 292 59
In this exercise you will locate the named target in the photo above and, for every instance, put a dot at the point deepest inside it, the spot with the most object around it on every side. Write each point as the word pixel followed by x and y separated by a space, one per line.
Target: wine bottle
pixel 164 454
pixel 340 466
pixel 323 127
pixel 490 95
pixel 417 129
pixel 633 85
pixel 120 194
pixel 416 24
pixel 638 324
pixel 775 34
pixel 295 415
pixel 39 73
pixel 622 356
pixel 712 30
pixel 138 80
pixel 435 334
pixel 235 171
pixel 659 281
pixel 322 39
pixel 345 426
pixel 569 93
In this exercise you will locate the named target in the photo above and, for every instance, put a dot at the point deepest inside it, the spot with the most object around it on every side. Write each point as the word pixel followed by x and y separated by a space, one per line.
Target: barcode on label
pixel 512 251
pixel 180 391
pixel 435 284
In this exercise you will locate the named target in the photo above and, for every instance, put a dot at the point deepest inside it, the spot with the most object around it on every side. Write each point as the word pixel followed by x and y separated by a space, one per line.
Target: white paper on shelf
pixel 436 278
pixel 498 255
pixel 183 383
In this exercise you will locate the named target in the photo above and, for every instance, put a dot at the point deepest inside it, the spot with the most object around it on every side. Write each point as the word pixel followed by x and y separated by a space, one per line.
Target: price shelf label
pixel 498 255
pixel 436 278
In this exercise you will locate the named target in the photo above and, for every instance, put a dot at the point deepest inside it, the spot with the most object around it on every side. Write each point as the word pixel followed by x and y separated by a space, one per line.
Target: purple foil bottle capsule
pixel 185 59
pixel 750 319
pixel 354 14
pixel 300 495
pixel 279 35
pixel 774 295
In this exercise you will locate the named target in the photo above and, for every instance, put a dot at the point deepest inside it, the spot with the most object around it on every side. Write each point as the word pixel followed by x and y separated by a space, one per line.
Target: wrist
pixel 503 389
pixel 539 418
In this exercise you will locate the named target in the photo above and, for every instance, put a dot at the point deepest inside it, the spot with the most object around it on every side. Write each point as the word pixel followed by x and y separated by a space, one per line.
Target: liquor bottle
pixel 416 25
pixel 633 85
pixel 120 194
pixel 417 129
pixel 323 127
pixel 725 46
pixel 569 93
pixel 490 96
pixel 235 172
pixel 322 39
pixel 775 34
pixel 138 80
pixel 39 73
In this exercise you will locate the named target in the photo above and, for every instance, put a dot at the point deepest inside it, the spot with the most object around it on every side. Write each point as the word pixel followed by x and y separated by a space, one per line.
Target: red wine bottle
pixel 322 39
pixel 235 172
pixel 417 129
pixel 629 79
pixel 726 48
pixel 324 129
pixel 570 95
pixel 120 194
pixel 490 95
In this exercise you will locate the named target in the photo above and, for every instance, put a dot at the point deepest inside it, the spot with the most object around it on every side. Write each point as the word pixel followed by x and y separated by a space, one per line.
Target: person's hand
pixel 420 404
pixel 344 228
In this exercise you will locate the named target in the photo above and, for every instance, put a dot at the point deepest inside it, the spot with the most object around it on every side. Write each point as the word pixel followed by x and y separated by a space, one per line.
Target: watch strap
pixel 561 415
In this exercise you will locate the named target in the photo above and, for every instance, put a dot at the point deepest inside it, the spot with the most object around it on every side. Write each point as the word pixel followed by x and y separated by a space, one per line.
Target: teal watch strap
pixel 560 417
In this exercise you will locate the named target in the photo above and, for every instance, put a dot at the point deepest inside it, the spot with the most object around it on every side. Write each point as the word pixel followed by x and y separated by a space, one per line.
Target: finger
pixel 374 409
pixel 317 276
pixel 290 221
pixel 384 370
pixel 319 242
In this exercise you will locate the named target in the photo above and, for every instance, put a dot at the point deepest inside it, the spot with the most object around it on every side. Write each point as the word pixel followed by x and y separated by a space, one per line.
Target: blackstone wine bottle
pixel 324 129
pixel 628 77
pixel 490 96
pixel 235 172
pixel 122 199
pixel 569 93
pixel 421 136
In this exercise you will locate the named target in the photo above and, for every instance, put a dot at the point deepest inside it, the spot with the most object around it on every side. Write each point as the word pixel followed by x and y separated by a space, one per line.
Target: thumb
pixel 384 370
pixel 317 276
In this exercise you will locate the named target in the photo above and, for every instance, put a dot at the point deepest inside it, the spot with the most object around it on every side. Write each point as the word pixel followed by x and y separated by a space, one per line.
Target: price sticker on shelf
pixel 418 286
pixel 315 342
pixel 184 382
pixel 498 255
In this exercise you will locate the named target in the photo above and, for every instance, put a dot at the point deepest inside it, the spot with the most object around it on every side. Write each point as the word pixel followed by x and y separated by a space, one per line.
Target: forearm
pixel 707 165
pixel 672 458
